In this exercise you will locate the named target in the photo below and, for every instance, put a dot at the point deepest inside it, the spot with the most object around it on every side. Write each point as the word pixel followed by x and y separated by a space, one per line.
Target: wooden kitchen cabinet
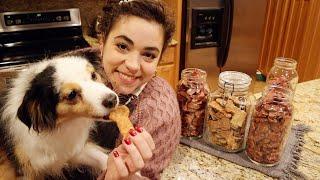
pixel 167 72
pixel 168 67
pixel 292 29
pixel 168 55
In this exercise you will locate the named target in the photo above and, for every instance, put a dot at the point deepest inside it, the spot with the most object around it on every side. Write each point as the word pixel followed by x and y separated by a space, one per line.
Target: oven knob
pixel 58 18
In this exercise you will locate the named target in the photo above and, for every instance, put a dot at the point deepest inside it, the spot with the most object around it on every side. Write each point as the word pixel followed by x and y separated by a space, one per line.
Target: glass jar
pixel 272 116
pixel 270 126
pixel 283 73
pixel 228 112
pixel 192 97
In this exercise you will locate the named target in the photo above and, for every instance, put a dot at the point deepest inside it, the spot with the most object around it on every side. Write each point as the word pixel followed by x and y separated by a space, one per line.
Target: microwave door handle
pixel 226 33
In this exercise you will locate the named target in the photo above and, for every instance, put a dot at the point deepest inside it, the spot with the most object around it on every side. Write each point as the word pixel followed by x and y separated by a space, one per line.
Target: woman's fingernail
pixel 132 132
pixel 127 141
pixel 139 129
pixel 116 154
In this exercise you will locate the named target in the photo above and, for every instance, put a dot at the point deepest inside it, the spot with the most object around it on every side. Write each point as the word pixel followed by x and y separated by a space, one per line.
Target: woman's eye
pixel 122 46
pixel 149 56
pixel 72 95
pixel 93 76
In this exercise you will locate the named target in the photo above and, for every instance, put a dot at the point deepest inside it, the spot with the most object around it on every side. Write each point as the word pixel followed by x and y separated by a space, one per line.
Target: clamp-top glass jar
pixel 192 97
pixel 228 112
pixel 273 114
pixel 283 72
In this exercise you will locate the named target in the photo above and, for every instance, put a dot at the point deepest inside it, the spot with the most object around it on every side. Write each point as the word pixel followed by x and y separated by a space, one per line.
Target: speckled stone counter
pixel 189 163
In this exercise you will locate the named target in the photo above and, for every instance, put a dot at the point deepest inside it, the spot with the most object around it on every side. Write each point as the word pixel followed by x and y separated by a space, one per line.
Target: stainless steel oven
pixel 28 37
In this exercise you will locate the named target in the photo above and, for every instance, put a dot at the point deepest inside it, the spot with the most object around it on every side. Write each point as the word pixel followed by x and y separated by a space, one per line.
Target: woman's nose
pixel 133 63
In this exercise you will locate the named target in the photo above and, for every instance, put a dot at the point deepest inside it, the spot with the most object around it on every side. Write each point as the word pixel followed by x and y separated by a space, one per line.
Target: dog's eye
pixel 93 76
pixel 72 95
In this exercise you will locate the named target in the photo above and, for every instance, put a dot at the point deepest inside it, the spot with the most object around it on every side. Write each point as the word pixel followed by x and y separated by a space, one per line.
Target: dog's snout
pixel 110 101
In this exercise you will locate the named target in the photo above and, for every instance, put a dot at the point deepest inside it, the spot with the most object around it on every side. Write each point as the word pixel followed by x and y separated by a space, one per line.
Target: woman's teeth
pixel 126 77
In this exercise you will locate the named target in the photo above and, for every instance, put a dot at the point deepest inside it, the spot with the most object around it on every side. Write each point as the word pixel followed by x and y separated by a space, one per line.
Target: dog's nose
pixel 110 101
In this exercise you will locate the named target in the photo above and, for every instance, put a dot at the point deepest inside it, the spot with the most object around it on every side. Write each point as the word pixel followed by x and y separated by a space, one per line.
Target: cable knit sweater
pixel 157 110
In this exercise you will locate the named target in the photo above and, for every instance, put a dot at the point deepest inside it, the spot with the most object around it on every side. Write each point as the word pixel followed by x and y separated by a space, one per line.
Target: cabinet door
pixel 167 73
pixel 168 55
pixel 292 30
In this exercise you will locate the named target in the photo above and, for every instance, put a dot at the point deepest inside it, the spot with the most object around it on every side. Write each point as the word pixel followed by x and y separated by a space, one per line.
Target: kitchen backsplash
pixel 89 9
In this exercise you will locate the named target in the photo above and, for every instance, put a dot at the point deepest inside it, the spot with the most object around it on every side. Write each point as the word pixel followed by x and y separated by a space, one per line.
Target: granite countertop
pixel 189 163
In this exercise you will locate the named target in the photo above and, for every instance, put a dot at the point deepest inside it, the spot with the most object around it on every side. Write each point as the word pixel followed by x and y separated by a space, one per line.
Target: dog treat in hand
pixel 120 115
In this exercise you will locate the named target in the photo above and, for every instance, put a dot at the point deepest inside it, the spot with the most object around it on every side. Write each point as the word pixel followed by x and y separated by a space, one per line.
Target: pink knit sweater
pixel 157 111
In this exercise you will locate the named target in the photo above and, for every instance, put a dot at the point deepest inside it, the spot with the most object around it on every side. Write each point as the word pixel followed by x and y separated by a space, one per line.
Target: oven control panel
pixel 32 20
pixel 36 18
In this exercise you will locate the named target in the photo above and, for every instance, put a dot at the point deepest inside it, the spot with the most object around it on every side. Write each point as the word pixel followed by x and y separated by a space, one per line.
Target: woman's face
pixel 131 52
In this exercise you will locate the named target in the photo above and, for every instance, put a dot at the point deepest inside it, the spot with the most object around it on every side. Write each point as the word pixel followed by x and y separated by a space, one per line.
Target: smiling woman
pixel 131 55
pixel 134 36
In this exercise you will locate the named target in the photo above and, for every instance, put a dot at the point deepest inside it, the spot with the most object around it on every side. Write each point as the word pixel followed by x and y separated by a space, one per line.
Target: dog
pixel 47 116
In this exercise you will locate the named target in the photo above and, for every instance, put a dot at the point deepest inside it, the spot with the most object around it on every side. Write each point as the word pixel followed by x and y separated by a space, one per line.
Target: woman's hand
pixel 131 156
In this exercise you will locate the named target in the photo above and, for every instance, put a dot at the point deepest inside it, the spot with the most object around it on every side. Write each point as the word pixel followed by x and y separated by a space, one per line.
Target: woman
pixel 134 36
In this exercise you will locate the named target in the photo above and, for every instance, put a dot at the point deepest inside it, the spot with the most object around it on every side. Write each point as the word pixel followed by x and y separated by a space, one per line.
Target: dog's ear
pixel 92 55
pixel 38 108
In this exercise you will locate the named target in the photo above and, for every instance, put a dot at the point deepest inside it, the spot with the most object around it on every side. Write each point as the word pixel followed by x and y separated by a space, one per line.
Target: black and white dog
pixel 47 115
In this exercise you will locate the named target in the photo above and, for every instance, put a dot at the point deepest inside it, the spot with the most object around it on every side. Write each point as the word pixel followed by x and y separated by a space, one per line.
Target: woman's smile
pixel 126 78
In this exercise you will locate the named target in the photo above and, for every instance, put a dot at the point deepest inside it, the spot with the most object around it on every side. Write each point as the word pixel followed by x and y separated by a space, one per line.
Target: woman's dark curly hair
pixel 153 10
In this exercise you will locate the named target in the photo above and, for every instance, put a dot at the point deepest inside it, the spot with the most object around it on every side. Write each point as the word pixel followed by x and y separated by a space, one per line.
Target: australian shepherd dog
pixel 47 115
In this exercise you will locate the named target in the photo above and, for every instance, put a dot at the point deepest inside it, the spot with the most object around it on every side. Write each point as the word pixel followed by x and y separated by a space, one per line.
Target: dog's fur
pixel 48 113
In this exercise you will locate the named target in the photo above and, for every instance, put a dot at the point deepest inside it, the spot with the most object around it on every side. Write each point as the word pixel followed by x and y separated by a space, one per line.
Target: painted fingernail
pixel 116 154
pixel 127 141
pixel 132 132
pixel 139 129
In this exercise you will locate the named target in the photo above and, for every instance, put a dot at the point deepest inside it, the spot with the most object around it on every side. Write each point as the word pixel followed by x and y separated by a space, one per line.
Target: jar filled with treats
pixel 192 97
pixel 283 72
pixel 228 112
pixel 273 114
pixel 270 125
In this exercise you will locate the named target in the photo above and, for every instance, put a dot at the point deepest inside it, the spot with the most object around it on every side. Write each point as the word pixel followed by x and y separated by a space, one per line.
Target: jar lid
pixel 234 81
pixel 193 73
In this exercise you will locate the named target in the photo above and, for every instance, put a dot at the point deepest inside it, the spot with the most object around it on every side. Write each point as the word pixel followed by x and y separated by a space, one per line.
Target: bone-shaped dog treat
pixel 120 115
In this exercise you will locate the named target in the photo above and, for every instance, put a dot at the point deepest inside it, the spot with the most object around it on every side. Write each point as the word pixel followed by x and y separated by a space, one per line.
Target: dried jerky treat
pixel 268 130
pixel 192 97
pixel 120 115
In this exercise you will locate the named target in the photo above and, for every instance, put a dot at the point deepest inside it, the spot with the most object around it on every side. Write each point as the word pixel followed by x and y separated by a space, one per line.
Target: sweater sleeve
pixel 158 112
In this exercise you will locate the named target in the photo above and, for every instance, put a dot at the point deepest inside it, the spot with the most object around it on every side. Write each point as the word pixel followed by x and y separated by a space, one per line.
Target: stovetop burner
pixel 27 37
